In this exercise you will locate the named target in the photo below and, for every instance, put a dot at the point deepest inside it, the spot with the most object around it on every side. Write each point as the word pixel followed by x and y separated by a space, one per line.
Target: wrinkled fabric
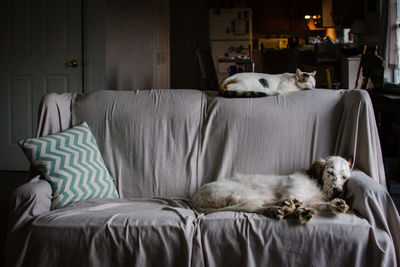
pixel 184 138
pixel 358 135
pixel 373 202
pixel 284 134
pixel 161 145
pixel 148 139
pixel 246 239
pixel 124 232
pixel 54 113
pixel 280 134
pixel 368 235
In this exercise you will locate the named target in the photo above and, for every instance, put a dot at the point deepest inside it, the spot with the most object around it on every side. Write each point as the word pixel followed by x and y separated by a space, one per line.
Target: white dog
pixel 281 196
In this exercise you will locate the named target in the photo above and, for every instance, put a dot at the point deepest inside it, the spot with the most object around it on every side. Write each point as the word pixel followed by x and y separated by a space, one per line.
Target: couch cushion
pixel 108 232
pixel 71 162
pixel 246 239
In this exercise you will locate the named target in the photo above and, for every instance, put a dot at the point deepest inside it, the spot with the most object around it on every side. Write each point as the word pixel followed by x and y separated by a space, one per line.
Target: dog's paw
pixel 298 203
pixel 275 211
pixel 288 206
pixel 338 205
pixel 285 208
pixel 304 215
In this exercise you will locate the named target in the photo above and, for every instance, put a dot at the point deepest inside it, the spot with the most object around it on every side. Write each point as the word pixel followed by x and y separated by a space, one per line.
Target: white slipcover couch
pixel 160 146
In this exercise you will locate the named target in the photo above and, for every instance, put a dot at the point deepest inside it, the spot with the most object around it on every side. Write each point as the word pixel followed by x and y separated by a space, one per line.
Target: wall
pixel 129 45
pixel 189 27
pixel 94 45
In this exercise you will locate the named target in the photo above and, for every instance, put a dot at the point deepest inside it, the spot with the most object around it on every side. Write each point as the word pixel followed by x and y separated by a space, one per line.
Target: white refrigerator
pixel 230 40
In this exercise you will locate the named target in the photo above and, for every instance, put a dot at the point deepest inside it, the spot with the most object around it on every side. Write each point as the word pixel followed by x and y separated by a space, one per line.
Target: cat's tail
pixel 223 86
pixel 242 94
pixel 225 92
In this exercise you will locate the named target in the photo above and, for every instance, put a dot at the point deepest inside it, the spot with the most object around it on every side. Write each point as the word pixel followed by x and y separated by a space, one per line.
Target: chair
pixel 324 76
pixel 207 67
pixel 371 67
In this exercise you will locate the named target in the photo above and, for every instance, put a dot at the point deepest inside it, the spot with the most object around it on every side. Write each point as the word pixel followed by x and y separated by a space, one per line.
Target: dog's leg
pixel 302 213
pixel 274 211
pixel 290 207
pixel 281 209
pixel 320 205
pixel 336 205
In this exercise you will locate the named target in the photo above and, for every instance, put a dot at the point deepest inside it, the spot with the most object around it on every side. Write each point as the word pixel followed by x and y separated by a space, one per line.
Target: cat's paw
pixel 338 205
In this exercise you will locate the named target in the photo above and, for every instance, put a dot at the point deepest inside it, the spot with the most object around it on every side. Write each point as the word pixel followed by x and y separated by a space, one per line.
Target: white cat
pixel 250 84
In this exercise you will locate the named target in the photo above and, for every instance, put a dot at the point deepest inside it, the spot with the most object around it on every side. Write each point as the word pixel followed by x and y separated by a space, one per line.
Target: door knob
pixel 73 63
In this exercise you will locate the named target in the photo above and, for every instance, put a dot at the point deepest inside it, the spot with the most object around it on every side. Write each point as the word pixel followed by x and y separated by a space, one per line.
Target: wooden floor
pixel 8 182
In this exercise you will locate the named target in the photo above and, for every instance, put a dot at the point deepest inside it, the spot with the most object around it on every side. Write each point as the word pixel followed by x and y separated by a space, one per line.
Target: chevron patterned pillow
pixel 71 162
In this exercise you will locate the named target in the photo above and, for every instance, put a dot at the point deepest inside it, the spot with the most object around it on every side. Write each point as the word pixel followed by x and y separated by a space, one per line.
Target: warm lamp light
pixel 330 32
pixel 313 21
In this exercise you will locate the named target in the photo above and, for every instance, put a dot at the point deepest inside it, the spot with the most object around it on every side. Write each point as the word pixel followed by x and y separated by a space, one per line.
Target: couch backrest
pixel 268 135
pixel 170 142
pixel 149 139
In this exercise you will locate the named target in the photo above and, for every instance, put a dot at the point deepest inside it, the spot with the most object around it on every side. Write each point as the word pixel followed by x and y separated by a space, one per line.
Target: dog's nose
pixel 337 191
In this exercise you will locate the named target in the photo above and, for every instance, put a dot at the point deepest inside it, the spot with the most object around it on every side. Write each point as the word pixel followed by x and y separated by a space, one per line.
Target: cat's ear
pixel 298 73
pixel 313 73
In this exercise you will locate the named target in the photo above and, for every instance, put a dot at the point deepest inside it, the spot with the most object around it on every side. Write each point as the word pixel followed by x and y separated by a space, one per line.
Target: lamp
pixel 331 33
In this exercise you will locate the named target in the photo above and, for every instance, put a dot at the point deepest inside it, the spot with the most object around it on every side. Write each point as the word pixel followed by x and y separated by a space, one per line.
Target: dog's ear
pixel 298 73
pixel 350 160
pixel 316 169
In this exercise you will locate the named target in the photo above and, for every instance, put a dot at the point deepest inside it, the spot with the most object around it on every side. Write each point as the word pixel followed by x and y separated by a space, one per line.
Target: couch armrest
pixel 373 202
pixel 28 201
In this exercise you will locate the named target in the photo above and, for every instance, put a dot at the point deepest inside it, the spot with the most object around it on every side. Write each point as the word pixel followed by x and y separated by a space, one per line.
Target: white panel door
pixel 40 52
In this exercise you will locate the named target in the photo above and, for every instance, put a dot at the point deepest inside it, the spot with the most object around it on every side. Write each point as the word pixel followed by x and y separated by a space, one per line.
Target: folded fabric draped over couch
pixel 161 145
pixel 266 135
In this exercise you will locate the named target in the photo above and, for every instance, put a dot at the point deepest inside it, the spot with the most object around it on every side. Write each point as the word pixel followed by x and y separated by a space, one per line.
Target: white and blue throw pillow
pixel 71 162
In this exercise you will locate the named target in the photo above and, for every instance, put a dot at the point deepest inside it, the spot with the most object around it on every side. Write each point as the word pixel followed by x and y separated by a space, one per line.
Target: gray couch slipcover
pixel 161 145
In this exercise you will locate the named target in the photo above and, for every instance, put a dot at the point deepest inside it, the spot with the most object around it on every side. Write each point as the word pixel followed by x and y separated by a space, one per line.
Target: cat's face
pixel 305 80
